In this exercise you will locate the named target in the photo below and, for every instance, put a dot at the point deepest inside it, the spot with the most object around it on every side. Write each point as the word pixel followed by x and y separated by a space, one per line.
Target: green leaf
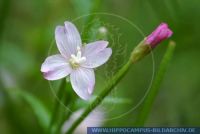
pixel 37 106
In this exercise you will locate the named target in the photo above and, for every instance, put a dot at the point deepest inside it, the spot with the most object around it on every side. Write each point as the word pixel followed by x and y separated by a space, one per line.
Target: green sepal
pixel 140 51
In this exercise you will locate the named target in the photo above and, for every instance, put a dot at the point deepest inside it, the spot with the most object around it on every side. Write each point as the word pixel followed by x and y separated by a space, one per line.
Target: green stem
pixel 146 107
pixel 112 82
pixel 56 105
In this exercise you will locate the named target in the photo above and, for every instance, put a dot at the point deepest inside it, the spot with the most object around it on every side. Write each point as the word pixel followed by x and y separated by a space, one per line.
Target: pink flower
pixel 161 33
pixel 75 60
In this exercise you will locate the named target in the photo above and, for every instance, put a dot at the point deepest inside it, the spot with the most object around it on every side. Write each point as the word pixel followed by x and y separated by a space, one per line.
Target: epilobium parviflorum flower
pixel 76 60
pixel 161 33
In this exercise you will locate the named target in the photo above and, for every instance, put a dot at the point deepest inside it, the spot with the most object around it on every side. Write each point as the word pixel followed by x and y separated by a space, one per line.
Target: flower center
pixel 77 59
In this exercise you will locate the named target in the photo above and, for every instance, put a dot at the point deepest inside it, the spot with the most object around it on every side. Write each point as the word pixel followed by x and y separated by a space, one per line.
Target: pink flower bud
pixel 161 33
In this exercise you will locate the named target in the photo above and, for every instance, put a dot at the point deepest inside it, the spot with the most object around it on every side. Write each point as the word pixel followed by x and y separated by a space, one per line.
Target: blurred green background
pixel 27 33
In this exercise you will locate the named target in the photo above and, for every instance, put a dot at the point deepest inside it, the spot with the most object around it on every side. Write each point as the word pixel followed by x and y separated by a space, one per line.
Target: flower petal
pixel 161 33
pixel 94 47
pixel 96 60
pixel 83 80
pixel 55 67
pixel 67 39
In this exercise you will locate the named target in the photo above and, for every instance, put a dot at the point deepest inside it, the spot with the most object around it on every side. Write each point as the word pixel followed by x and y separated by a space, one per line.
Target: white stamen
pixel 77 59
pixel 78 48
pixel 79 54
pixel 82 60
pixel 73 56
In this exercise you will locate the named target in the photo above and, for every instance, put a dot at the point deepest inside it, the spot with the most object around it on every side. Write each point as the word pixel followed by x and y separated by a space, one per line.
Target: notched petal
pixel 67 39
